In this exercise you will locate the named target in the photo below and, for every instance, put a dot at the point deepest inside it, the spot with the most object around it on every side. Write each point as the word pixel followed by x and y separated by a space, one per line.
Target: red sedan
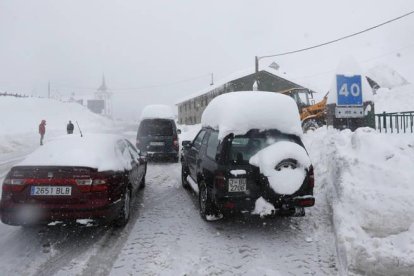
pixel 70 178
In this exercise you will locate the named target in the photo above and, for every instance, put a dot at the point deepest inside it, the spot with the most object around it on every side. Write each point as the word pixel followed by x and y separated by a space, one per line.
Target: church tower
pixel 103 94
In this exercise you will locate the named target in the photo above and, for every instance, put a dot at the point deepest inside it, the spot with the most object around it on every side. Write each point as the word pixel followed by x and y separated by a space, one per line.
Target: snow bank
pixel 93 150
pixel 349 67
pixel 386 77
pixel 369 177
pixel 21 118
pixel 157 111
pixel 238 112
pixel 285 181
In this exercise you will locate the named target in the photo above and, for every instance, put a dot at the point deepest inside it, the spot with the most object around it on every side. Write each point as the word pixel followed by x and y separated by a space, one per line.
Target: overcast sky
pixel 156 43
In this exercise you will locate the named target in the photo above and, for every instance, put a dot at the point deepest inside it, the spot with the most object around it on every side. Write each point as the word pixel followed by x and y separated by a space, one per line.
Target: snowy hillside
pixel 397 99
pixel 21 117
pixel 386 77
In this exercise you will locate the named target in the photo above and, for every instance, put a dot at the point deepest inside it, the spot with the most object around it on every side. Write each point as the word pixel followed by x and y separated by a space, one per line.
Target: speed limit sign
pixel 349 90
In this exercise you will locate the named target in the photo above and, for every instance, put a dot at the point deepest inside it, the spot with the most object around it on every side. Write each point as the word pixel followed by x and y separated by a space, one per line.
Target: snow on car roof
pixel 239 112
pixel 157 111
pixel 93 150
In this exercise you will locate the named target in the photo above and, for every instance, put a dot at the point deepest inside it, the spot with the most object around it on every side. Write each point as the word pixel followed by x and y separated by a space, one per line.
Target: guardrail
pixel 13 95
pixel 398 122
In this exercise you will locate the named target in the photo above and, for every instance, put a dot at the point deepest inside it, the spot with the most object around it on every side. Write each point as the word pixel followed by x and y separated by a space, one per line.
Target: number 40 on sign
pixel 349 90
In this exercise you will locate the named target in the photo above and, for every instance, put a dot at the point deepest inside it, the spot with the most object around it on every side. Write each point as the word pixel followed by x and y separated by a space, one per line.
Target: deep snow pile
pixel 386 77
pixel 369 179
pixel 159 111
pixel 21 117
pixel 397 99
pixel 239 112
pixel 98 151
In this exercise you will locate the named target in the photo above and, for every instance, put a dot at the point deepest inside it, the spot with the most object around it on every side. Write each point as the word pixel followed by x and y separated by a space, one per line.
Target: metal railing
pixel 13 95
pixel 398 122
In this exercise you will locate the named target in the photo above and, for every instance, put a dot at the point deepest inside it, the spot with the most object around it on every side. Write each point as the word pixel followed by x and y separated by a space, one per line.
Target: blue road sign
pixel 349 90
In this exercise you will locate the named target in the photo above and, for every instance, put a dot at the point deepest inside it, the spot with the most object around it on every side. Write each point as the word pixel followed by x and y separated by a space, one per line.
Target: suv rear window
pixel 155 127
pixel 242 147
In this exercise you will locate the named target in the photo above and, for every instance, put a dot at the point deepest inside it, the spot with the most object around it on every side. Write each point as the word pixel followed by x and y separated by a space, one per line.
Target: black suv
pixel 158 138
pixel 220 172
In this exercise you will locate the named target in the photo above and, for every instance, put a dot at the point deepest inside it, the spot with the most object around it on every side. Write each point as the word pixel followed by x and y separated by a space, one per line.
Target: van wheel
pixel 125 212
pixel 184 175
pixel 205 202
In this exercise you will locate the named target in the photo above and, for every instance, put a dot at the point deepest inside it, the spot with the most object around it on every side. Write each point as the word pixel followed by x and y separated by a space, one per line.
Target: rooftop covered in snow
pixel 243 73
pixel 239 112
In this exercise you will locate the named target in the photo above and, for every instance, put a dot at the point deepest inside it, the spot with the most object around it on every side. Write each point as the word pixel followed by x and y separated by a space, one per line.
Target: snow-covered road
pixel 166 236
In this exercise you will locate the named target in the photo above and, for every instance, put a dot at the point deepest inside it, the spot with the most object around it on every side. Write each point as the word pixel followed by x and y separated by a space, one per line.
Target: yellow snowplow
pixel 311 115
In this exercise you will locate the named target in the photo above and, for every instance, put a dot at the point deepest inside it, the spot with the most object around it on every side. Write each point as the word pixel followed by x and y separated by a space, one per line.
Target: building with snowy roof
pixel 270 79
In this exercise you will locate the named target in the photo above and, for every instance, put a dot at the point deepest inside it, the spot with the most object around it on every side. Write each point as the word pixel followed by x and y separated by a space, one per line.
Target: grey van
pixel 158 139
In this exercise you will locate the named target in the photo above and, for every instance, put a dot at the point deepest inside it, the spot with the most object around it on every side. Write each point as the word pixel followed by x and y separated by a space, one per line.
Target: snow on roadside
pixel 368 179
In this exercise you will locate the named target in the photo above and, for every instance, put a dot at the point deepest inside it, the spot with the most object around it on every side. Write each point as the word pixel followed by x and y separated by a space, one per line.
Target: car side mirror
pixel 178 131
pixel 186 144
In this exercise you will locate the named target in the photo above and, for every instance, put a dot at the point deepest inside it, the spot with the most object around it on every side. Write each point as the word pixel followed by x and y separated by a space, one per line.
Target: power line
pixel 338 39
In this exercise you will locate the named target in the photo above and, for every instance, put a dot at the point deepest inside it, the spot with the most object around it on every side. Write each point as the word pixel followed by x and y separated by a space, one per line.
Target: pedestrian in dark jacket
pixel 70 127
pixel 42 131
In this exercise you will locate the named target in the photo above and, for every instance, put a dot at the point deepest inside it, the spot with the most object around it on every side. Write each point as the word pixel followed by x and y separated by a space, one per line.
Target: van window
pixel 155 127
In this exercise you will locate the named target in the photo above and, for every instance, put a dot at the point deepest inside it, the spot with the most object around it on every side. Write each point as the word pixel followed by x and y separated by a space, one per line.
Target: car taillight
pixel 175 142
pixel 311 178
pixel 92 185
pixel 220 181
pixel 99 185
pixel 13 184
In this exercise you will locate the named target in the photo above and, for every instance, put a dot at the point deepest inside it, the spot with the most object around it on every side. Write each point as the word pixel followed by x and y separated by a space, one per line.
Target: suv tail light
pixel 220 181
pixel 175 143
pixel 311 178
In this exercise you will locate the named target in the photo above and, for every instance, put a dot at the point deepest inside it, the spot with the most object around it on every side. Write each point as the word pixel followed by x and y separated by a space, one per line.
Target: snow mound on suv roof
pixel 157 111
pixel 93 150
pixel 285 181
pixel 239 112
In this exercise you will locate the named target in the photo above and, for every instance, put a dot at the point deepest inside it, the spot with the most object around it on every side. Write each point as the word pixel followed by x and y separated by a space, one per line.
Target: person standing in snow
pixel 70 127
pixel 42 131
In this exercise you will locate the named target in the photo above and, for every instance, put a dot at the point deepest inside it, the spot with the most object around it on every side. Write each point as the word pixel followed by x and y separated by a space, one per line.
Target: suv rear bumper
pixel 25 214
pixel 248 204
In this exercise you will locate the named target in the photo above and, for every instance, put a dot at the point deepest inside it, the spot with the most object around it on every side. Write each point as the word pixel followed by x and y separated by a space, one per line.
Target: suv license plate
pixel 51 190
pixel 157 143
pixel 237 184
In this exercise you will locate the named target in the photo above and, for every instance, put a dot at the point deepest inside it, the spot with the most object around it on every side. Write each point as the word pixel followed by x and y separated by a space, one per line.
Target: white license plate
pixel 51 191
pixel 237 184
pixel 157 143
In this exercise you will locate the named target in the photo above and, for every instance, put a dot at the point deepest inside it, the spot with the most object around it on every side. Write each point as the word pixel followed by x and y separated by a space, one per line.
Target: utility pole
pixel 256 64
pixel 48 89
pixel 212 79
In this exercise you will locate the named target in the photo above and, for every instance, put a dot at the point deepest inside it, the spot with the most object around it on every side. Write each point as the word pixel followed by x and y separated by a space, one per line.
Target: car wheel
pixel 205 202
pixel 125 210
pixel 184 175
